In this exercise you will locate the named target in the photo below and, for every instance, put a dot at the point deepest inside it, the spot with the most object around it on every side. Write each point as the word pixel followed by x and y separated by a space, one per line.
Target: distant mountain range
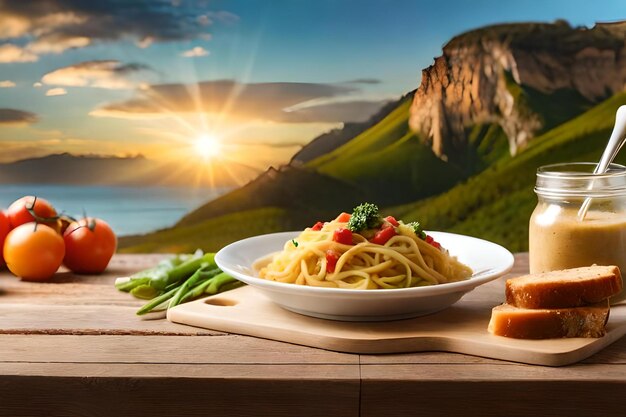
pixel 65 168
pixel 459 153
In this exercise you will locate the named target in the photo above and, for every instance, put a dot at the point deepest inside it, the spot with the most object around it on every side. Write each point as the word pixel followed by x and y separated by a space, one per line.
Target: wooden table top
pixel 74 346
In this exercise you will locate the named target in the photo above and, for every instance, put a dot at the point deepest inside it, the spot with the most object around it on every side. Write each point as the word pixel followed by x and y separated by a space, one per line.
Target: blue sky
pixel 320 43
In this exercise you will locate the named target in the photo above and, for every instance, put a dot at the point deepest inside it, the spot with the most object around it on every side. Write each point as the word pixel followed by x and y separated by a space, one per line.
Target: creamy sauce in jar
pixel 558 239
pixel 580 218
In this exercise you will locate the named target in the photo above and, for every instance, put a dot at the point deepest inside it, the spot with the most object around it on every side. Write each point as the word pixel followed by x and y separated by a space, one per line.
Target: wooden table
pixel 74 347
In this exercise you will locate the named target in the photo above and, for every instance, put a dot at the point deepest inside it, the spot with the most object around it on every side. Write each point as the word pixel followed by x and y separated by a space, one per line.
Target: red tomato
pixel 5 228
pixel 19 214
pixel 33 251
pixel 89 245
pixel 382 236
pixel 392 220
pixel 343 217
pixel 429 239
pixel 343 236
pixel 317 226
pixel 331 260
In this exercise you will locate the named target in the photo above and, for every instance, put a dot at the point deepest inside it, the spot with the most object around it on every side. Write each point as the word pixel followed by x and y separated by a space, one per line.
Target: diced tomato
pixel 317 226
pixel 331 260
pixel 343 236
pixel 343 217
pixel 382 236
pixel 432 242
pixel 392 220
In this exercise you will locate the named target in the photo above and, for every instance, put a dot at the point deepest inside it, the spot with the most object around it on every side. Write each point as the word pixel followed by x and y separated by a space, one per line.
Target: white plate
pixel 487 260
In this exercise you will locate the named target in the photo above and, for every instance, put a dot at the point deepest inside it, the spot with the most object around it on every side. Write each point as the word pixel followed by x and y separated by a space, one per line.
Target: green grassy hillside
pixel 497 203
pixel 394 165
pixel 327 142
pixel 389 162
pixel 374 139
pixel 552 109
pixel 304 192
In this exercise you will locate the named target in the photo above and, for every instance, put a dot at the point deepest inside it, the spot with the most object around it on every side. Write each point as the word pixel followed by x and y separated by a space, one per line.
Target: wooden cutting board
pixel 461 328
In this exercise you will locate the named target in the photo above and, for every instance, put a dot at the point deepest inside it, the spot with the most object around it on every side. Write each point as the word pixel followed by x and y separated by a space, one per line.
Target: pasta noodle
pixel 317 257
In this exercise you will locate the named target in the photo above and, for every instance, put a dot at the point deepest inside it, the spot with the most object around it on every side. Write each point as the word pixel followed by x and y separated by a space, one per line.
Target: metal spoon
pixel 616 141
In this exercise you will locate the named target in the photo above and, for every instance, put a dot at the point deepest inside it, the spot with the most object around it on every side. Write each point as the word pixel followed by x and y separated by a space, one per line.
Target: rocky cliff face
pixel 471 82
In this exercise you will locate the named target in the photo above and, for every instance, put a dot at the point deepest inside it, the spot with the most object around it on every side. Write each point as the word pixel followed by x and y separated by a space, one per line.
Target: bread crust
pixel 521 323
pixel 562 289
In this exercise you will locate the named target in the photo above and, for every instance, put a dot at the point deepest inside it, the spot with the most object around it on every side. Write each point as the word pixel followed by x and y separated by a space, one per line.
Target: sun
pixel 207 146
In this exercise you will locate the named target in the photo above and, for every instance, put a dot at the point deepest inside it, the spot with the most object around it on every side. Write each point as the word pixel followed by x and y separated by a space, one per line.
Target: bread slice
pixel 567 288
pixel 521 323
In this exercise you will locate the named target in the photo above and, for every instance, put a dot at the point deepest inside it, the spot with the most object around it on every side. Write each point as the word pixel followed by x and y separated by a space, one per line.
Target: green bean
pixel 177 280
pixel 172 285
pixel 217 281
pixel 220 283
pixel 231 286
pixel 145 292
pixel 156 302
pixel 200 275
pixel 129 285
pixel 154 274
pixel 196 291
pixel 185 270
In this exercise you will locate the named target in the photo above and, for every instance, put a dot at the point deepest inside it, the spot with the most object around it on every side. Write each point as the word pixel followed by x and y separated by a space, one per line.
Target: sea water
pixel 129 210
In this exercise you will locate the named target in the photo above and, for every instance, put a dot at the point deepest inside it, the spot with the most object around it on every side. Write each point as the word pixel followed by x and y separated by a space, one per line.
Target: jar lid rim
pixel 560 170
pixel 574 180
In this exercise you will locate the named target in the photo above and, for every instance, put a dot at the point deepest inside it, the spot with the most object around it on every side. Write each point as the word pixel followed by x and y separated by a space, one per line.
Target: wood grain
pixel 512 398
pixel 226 349
pixel 81 304
pixel 177 390
pixel 75 319
pixel 74 347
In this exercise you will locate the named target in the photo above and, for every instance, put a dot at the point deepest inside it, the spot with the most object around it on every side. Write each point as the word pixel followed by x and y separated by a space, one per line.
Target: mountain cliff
pixel 505 74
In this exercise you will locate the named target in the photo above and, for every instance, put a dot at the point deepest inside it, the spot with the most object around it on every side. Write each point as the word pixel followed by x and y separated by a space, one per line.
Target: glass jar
pixel 580 218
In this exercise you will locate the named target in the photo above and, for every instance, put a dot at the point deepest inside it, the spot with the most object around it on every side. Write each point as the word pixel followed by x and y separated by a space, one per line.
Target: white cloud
pixel 57 44
pixel 13 53
pixel 283 102
pixel 109 74
pixel 13 26
pixel 56 92
pixel 54 26
pixel 195 52
pixel 37 84
pixel 50 21
pixel 7 84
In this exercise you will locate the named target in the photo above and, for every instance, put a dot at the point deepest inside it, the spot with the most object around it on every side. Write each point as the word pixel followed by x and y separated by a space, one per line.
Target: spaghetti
pixel 390 255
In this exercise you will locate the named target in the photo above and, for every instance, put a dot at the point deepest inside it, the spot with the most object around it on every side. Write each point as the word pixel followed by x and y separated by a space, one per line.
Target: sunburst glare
pixel 207 146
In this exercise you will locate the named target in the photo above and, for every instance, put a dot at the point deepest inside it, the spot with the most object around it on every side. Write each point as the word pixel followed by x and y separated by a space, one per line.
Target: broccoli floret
pixel 364 216
pixel 417 228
